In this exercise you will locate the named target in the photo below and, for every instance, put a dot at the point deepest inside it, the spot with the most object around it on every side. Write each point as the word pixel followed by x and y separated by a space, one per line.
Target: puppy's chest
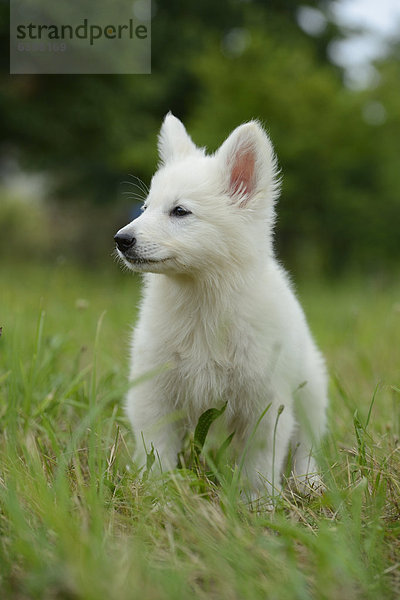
pixel 213 366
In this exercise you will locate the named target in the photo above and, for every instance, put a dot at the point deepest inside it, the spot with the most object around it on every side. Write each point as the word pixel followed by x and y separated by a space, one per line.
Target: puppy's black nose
pixel 124 241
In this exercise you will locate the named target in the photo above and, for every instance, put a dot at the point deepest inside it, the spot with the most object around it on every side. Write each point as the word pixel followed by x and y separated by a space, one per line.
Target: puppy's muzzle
pixel 124 241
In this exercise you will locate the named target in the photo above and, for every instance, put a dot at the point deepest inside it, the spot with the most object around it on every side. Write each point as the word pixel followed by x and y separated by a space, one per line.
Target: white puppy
pixel 219 321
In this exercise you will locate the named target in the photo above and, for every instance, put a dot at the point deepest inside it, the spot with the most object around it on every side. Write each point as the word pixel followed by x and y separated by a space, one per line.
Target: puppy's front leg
pixel 154 426
pixel 265 452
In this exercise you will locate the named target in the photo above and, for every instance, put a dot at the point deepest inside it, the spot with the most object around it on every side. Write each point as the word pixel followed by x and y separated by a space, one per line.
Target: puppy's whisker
pixel 140 183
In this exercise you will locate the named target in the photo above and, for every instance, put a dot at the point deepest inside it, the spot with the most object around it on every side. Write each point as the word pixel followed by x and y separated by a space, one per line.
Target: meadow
pixel 77 521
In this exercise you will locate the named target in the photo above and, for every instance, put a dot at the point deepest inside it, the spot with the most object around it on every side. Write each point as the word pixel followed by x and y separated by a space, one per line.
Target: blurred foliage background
pixel 68 143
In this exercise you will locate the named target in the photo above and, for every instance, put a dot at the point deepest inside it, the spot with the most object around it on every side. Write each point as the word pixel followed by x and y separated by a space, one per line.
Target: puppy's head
pixel 204 213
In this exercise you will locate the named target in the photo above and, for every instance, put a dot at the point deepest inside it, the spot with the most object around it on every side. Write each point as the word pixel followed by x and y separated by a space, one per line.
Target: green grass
pixel 76 521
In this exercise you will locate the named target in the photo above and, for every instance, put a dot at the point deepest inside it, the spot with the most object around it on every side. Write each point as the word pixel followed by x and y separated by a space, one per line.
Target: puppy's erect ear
pixel 248 165
pixel 174 141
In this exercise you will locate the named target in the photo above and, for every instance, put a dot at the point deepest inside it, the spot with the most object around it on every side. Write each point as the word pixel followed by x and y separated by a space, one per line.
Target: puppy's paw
pixel 307 485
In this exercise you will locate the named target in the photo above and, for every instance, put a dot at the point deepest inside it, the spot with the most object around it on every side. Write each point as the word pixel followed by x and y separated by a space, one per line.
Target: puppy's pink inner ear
pixel 242 175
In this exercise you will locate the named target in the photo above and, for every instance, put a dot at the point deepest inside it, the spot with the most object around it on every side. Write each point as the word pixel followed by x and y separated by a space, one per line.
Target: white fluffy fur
pixel 219 320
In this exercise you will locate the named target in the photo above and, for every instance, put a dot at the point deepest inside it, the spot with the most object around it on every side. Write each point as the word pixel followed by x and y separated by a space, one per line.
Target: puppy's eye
pixel 178 211
pixel 143 207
